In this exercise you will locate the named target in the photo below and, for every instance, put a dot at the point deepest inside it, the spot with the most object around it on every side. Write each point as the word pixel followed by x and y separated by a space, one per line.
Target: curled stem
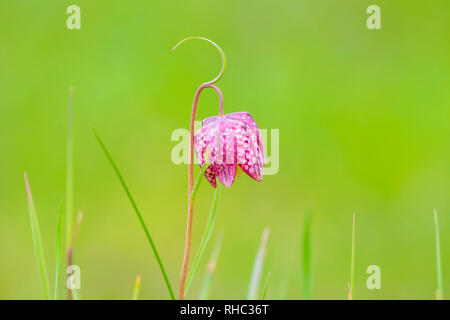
pixel 191 190
pixel 222 54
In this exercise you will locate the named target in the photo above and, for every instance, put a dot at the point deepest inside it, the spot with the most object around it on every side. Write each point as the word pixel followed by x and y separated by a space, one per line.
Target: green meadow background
pixel 363 119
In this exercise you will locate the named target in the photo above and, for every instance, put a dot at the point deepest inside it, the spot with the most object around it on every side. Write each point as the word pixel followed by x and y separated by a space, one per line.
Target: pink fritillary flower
pixel 227 145
pixel 229 141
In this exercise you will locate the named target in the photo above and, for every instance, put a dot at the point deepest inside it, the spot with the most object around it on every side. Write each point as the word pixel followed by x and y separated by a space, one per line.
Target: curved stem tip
pixel 222 54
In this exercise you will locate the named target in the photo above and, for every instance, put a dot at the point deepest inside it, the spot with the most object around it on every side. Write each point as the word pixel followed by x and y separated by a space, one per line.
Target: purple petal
pixel 249 155
pixel 226 174
pixel 254 171
pixel 246 118
pixel 211 176
pixel 209 120
pixel 230 140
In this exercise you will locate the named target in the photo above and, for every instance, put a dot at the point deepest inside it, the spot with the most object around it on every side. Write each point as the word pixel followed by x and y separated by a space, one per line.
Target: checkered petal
pixel 246 118
pixel 229 141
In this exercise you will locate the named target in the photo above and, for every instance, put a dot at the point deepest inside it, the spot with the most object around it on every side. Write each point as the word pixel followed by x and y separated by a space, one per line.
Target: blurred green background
pixel 364 127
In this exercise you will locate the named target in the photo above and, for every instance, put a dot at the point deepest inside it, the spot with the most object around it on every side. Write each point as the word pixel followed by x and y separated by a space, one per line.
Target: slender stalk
pixel 205 237
pixel 69 171
pixel 211 268
pixel 440 290
pixel 266 286
pixel 209 84
pixel 138 213
pixel 70 292
pixel 58 250
pixel 255 280
pixel 306 257
pixel 191 193
pixel 137 286
pixel 37 243
pixel 187 249
pixel 352 267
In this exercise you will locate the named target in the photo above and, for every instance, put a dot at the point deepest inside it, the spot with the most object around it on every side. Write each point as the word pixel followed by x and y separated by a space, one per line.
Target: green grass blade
pixel 58 250
pixel 352 266
pixel 138 213
pixel 440 291
pixel 137 286
pixel 37 243
pixel 205 237
pixel 255 279
pixel 306 257
pixel 266 286
pixel 198 181
pixel 69 172
pixel 211 268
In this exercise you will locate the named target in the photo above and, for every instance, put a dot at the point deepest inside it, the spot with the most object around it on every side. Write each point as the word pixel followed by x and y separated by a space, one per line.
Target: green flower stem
pixel 205 237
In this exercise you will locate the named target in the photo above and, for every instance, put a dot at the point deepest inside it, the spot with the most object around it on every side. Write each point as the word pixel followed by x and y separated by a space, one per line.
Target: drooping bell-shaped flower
pixel 227 143
pixel 224 146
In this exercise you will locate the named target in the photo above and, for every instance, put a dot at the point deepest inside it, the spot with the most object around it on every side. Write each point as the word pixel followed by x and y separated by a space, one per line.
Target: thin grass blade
pixel 352 266
pixel 306 256
pixel 37 243
pixel 266 286
pixel 58 251
pixel 211 268
pixel 255 280
pixel 440 290
pixel 205 237
pixel 198 182
pixel 137 286
pixel 69 171
pixel 138 213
